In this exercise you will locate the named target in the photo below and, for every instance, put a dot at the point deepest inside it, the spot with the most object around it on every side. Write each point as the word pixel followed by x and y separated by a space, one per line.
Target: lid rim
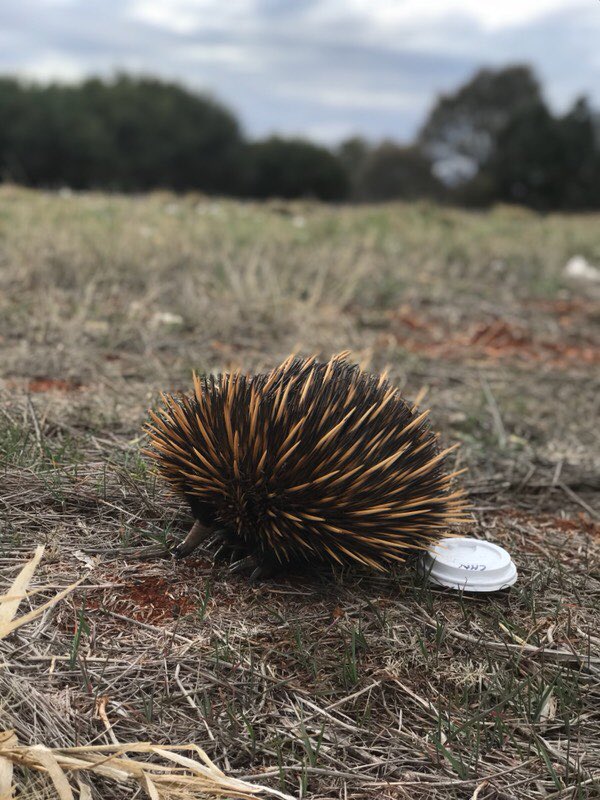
pixel 444 569
pixel 496 587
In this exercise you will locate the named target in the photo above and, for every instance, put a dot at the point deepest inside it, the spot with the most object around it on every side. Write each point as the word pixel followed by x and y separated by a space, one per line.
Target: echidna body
pixel 311 461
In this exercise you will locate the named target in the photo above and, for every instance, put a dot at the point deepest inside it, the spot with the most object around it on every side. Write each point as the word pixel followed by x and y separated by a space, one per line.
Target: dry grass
pixel 320 686
pixel 181 777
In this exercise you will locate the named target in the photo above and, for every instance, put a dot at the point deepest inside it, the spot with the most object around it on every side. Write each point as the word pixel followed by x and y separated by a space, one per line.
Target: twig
pixel 576 499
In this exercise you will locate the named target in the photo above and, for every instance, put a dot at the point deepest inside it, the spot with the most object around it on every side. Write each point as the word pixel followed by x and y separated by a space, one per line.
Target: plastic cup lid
pixel 473 565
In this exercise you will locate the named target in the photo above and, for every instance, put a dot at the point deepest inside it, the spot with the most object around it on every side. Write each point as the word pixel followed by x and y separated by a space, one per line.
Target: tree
pixel 547 162
pixel 580 136
pixel 528 163
pixel 13 102
pixel 128 134
pixel 464 126
pixel 293 168
pixel 393 172
pixel 352 154
pixel 163 135
pixel 493 139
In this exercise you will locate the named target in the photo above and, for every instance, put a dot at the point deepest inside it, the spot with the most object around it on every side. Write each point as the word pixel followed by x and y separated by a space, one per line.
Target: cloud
pixel 490 16
pixel 327 68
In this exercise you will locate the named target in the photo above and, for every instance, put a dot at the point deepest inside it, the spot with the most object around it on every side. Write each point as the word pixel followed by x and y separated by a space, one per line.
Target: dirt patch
pixel 152 599
pixel 581 523
pixel 156 599
pixel 39 385
pixel 495 338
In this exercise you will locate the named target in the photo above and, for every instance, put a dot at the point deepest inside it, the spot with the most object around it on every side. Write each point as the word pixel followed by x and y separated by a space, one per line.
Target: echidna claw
pixel 268 567
pixel 197 534
pixel 217 538
pixel 244 564
pixel 221 551
pixel 261 572
pixel 236 555
pixel 183 549
pixel 257 565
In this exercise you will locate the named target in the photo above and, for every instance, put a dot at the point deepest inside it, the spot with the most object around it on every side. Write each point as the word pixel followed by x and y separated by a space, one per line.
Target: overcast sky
pixel 322 68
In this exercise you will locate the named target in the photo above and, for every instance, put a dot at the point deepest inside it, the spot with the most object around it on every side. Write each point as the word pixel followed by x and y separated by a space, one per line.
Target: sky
pixel 326 69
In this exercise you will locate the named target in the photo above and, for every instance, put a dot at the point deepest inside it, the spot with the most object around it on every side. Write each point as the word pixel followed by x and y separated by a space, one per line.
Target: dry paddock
pixel 343 685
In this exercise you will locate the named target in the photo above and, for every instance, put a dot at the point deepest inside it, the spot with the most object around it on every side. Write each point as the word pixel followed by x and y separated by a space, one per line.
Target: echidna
pixel 309 462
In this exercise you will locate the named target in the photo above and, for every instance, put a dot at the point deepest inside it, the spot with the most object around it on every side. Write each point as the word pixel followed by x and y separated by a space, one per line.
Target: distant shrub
pixel 547 162
pixel 293 168
pixel 493 140
pixel 390 172
pixel 128 134
pixel 518 151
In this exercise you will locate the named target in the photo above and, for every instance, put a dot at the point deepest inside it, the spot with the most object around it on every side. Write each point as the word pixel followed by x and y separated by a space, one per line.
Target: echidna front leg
pixel 258 564
pixel 196 535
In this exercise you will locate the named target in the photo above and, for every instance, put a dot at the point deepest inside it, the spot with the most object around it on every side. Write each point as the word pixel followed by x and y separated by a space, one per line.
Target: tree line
pixel 493 140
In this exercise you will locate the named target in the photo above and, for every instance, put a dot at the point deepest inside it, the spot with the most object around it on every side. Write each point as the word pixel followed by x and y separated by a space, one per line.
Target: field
pixel 343 685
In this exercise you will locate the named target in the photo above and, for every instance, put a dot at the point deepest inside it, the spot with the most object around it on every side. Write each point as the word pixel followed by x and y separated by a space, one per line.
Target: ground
pixel 323 686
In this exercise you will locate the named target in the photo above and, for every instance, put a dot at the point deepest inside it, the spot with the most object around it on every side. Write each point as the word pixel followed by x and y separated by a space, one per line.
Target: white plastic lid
pixel 469 564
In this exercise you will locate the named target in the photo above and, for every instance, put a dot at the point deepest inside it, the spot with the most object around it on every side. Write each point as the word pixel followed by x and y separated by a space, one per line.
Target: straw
pixel 171 775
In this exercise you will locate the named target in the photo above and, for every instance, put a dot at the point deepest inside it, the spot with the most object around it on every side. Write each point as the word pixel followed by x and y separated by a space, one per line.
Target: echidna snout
pixel 314 462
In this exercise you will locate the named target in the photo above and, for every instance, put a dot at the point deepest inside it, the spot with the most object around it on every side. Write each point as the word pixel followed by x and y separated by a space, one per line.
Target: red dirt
pixel 151 599
pixel 157 599
pixel 495 338
pixel 541 523
pixel 52 385
pixel 581 524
